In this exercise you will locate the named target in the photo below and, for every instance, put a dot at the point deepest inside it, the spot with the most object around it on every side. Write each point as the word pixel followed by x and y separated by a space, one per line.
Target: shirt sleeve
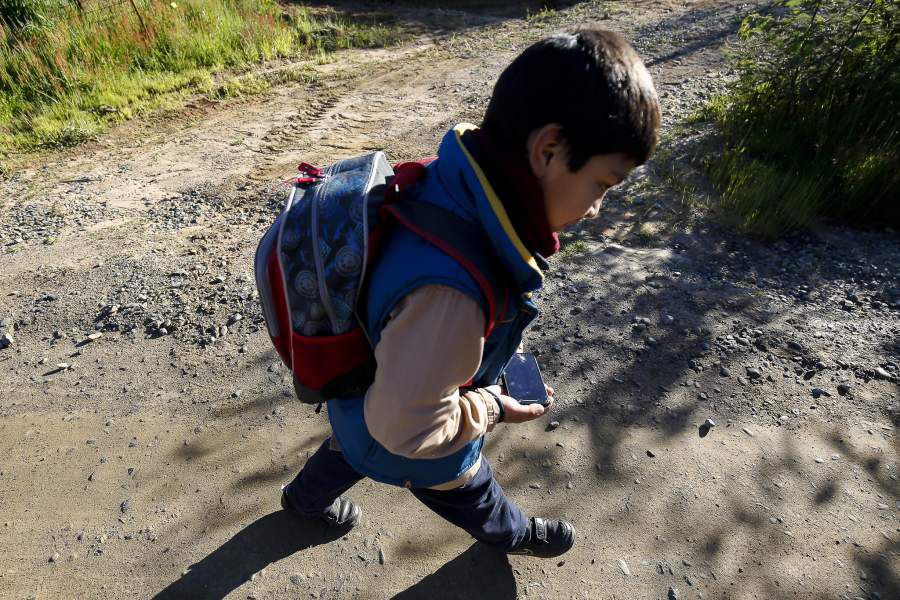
pixel 431 346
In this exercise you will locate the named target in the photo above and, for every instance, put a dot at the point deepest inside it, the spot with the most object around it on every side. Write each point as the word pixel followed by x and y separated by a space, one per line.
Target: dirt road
pixel 147 462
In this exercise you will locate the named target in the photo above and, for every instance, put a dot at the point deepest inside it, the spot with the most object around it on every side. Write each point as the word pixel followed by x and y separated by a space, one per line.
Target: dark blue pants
pixel 480 506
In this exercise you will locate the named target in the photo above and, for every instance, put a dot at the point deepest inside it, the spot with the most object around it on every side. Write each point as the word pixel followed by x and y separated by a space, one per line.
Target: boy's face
pixel 570 196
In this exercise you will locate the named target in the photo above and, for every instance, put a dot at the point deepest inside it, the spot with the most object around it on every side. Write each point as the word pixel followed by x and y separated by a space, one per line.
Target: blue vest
pixel 406 262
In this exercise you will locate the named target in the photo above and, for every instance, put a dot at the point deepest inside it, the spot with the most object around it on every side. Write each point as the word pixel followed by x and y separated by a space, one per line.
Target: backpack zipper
pixel 317 255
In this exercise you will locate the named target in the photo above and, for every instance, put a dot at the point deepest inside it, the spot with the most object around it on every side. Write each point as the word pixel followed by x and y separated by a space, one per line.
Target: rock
pixel 6 340
pixel 59 335
pixel 297 579
pixel 235 318
pixel 667 319
pixel 552 425
pixel 819 392
pixel 125 506
pixel 534 486
pixel 673 594
pixel 381 558
pixel 706 426
pixel 724 371
pixel 880 373
pixel 843 389
pixel 93 336
pixel 623 566
pixel 92 476
pixel 753 373
pixel 53 557
pixel 650 454
pixel 747 431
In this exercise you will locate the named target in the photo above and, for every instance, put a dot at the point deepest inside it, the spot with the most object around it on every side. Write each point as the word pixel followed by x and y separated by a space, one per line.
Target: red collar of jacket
pixel 519 191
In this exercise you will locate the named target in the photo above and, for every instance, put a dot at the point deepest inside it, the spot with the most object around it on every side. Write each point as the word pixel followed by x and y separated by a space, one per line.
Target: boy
pixel 568 119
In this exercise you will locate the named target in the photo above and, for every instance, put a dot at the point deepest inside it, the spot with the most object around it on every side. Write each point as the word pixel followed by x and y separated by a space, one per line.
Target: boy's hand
pixel 521 413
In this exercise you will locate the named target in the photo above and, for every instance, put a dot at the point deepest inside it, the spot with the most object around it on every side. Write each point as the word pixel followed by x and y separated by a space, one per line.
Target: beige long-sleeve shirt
pixel 431 346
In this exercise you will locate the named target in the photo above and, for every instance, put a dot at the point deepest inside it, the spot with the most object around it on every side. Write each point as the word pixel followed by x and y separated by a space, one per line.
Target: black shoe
pixel 548 538
pixel 342 513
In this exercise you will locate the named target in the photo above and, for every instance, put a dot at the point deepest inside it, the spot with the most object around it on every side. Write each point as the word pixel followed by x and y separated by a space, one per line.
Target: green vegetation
pixel 811 123
pixel 68 68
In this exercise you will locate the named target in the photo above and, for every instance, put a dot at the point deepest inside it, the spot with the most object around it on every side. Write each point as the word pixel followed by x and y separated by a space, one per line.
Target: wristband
pixel 501 412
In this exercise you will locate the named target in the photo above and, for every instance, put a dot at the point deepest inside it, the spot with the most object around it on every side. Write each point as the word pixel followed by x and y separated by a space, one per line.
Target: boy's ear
pixel 545 144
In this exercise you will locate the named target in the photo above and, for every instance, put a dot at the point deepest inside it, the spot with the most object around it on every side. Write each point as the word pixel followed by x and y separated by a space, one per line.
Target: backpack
pixel 312 262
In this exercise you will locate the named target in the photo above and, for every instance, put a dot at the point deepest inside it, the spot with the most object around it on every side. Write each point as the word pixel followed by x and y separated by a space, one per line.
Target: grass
pixel 66 75
pixel 809 127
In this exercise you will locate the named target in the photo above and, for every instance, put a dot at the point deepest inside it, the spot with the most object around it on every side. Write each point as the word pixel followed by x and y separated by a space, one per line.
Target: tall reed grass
pixel 811 125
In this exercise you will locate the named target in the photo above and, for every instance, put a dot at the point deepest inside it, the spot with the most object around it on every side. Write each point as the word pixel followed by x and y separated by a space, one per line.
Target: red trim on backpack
pixel 477 275
pixel 282 341
pixel 327 357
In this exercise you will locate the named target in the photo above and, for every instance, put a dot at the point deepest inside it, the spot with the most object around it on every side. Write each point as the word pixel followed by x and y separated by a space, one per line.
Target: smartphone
pixel 523 380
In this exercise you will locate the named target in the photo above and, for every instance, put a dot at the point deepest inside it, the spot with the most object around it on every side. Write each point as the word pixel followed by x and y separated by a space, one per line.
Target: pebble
pixel 673 594
pixel 297 579
pixel 879 372
pixel 753 373
pixel 381 558
pixel 94 336
pixel 623 566
pixel 819 392
pixel 54 557
pixel 843 389
pixel 706 426
pixel 724 371
pixel 747 431
pixel 6 340
pixel 552 425
pixel 534 486
pixel 125 506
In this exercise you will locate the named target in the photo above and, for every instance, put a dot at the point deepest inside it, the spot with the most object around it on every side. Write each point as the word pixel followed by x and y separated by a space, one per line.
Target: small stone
pixel 706 426
pixel 94 336
pixel 650 454
pixel 673 594
pixel 381 558
pixel 297 579
pixel 843 389
pixel 92 476
pixel 724 371
pixel 552 425
pixel 54 557
pixel 6 340
pixel 570 485
pixel 534 486
pixel 667 319
pixel 125 506
pixel 819 392
pixel 235 318
pixel 753 373
pixel 747 431
pixel 879 372
pixel 623 566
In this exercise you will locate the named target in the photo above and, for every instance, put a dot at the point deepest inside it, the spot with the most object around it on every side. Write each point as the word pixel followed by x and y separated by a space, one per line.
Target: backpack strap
pixel 454 236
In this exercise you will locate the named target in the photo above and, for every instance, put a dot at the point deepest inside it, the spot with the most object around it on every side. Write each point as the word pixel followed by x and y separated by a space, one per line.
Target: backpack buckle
pixel 309 170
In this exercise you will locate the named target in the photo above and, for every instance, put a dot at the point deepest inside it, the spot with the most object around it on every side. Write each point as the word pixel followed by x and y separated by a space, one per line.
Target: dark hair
pixel 592 83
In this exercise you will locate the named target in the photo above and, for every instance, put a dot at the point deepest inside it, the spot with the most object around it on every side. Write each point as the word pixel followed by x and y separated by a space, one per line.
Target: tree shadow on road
pixel 263 542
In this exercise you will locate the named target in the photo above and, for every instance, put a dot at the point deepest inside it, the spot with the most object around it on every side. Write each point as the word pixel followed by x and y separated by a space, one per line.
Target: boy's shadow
pixel 267 540
pixel 479 572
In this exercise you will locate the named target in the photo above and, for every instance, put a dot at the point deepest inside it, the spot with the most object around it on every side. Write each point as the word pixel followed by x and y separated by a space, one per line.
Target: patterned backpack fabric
pixel 312 262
